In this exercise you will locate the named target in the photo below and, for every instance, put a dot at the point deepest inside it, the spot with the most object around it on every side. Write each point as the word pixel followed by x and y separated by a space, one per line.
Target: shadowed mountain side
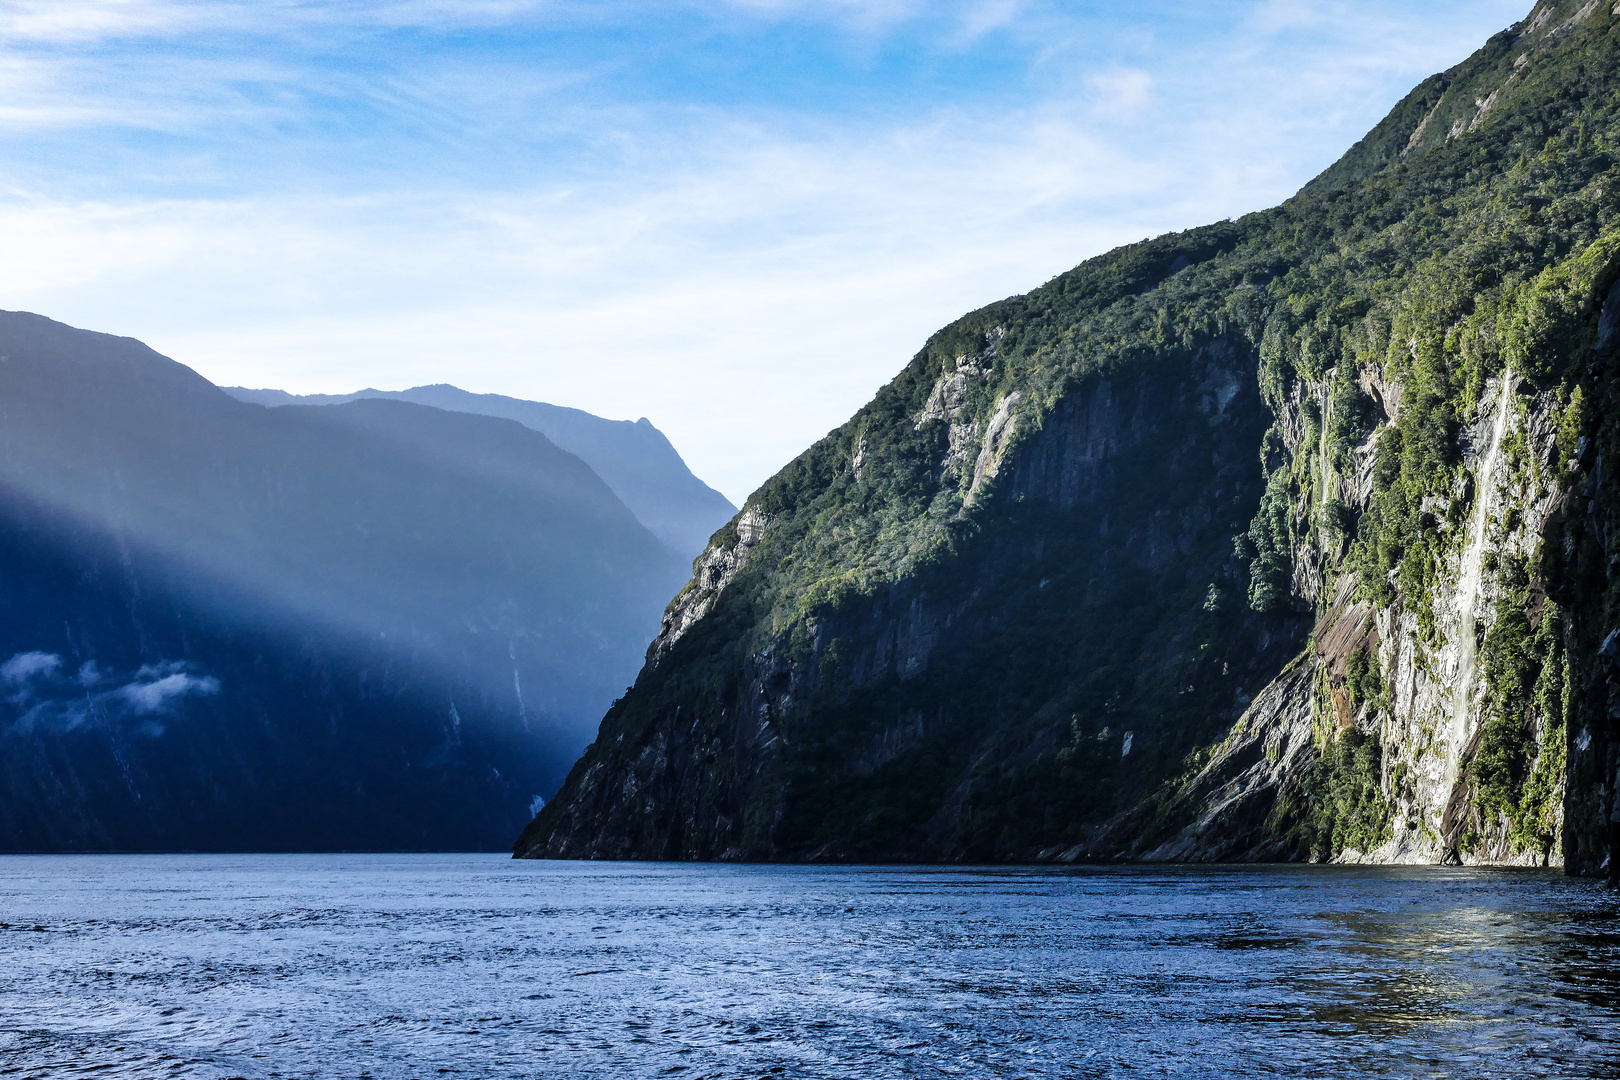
pixel 401 567
pixel 148 706
pixel 635 459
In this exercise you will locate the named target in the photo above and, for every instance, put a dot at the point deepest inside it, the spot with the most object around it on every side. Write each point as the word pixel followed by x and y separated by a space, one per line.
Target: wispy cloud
pixel 703 301
pixel 157 687
pixel 77 21
pixel 25 667
pixel 1122 93
pixel 866 15
pixel 736 229
pixel 42 694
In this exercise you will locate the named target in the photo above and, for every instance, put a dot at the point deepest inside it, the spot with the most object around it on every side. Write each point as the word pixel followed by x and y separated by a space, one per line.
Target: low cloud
pixel 160 690
pixel 47 696
pixel 27 666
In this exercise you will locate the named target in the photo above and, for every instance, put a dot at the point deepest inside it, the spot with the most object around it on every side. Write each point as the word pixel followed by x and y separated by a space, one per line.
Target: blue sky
pixel 737 218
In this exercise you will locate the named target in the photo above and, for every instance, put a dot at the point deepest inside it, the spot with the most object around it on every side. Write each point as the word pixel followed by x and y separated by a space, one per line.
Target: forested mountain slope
pixel 376 625
pixel 634 458
pixel 1289 537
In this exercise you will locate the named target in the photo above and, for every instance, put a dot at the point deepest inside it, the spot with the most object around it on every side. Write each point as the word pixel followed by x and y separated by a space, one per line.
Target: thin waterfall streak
pixel 517 689
pixel 1322 449
pixel 1468 583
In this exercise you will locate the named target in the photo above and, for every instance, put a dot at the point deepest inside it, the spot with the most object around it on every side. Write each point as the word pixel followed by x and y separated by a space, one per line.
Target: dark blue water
pixel 476 966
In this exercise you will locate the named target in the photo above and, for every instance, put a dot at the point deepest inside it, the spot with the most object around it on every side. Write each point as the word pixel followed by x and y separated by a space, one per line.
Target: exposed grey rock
pixel 1268 750
pixel 711 573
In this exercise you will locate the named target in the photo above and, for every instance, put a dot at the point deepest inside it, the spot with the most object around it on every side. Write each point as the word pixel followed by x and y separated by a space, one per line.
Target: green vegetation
pixel 1345 804
pixel 1518 771
pixel 949 670
pixel 1365 682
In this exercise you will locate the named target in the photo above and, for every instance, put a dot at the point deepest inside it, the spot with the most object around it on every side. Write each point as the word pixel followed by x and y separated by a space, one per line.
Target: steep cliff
pixel 1283 538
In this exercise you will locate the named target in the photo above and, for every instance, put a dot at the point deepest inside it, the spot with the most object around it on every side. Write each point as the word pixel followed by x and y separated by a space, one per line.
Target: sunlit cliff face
pixel 1362 608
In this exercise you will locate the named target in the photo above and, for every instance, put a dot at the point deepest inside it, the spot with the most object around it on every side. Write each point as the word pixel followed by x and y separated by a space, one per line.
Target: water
pixel 477 966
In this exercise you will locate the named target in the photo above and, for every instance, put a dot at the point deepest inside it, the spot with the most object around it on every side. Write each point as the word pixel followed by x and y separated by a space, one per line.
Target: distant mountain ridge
pixel 634 457
pixel 377 625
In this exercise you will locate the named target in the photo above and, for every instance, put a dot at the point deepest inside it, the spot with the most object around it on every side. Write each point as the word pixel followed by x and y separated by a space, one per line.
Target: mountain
pixel 375 625
pixel 635 459
pixel 1291 537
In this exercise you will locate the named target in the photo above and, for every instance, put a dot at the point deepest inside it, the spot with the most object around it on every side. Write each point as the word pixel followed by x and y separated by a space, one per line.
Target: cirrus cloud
pixel 737 219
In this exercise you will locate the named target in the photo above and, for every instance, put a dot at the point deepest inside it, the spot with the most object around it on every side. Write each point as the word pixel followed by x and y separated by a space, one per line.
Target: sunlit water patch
pixel 476 966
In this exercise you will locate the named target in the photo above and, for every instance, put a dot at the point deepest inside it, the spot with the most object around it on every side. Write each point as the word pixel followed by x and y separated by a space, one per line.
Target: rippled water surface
pixel 477 966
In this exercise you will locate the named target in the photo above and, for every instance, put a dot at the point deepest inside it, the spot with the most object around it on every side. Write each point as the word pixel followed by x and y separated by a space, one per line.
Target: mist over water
pixel 474 965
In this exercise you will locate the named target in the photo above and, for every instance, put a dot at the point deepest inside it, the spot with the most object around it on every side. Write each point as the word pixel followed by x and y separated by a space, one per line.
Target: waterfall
pixel 1322 449
pixel 1468 581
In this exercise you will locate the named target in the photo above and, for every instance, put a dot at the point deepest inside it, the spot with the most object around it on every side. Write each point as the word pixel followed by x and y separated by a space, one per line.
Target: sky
pixel 737 218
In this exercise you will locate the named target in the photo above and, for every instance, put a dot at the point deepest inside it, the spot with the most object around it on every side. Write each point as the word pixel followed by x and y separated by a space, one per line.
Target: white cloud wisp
pixel 745 271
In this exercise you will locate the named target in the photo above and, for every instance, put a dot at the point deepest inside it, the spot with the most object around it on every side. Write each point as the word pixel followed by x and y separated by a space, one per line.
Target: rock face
pixel 377 625
pixel 634 458
pixel 1286 538
pixel 889 682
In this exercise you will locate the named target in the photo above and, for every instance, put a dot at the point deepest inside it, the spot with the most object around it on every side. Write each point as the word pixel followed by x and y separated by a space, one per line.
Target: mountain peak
pixel 1513 66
